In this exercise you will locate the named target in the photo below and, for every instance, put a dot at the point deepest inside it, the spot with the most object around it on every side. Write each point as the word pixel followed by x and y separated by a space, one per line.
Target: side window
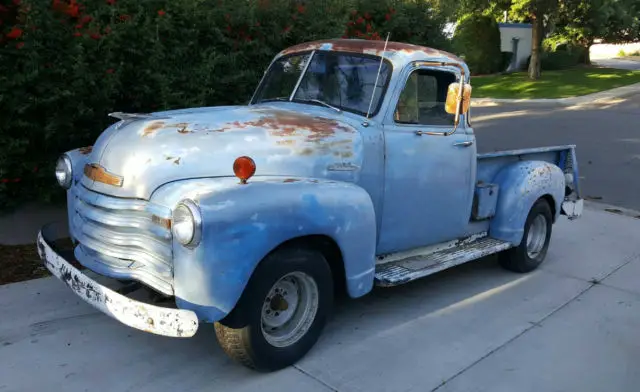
pixel 423 97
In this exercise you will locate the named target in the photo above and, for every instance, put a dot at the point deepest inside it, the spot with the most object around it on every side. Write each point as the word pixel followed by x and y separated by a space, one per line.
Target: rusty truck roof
pixel 374 47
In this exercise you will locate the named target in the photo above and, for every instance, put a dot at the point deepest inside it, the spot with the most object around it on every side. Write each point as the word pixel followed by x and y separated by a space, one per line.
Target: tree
pixel 477 38
pixel 461 8
pixel 535 11
pixel 613 21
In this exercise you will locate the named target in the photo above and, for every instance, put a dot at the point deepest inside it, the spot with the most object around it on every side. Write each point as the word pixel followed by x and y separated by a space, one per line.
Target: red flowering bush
pixel 65 64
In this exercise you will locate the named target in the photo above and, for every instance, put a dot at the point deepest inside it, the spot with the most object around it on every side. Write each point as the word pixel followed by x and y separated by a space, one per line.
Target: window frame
pixel 406 76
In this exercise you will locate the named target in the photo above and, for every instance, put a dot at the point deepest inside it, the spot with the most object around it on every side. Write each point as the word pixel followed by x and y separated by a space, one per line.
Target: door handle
pixel 463 144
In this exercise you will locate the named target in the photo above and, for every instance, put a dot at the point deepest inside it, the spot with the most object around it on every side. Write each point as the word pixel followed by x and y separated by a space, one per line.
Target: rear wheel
pixel 282 311
pixel 535 241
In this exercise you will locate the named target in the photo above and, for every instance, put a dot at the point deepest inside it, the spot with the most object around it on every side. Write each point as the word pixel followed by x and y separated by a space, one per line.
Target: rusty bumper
pixel 139 315
pixel 573 208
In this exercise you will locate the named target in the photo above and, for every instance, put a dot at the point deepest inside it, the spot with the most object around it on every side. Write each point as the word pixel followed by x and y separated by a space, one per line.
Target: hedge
pixel 559 54
pixel 477 40
pixel 65 64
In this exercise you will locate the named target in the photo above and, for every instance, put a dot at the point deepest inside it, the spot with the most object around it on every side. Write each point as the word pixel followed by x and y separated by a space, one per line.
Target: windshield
pixel 345 81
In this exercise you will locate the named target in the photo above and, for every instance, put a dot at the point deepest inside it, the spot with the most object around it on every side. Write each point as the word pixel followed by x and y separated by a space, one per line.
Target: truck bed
pixel 563 156
pixel 489 164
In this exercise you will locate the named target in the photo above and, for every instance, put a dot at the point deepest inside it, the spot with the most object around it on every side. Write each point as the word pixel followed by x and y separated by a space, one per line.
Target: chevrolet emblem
pixel 100 174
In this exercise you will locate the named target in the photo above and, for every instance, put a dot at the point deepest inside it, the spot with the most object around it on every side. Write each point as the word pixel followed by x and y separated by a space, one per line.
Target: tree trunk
pixel 587 55
pixel 536 40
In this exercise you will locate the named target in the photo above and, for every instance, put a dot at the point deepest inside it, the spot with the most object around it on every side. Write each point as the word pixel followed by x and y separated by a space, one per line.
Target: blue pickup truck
pixel 354 164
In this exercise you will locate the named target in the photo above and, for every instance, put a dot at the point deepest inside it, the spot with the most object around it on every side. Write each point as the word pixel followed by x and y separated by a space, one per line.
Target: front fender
pixel 243 223
pixel 521 185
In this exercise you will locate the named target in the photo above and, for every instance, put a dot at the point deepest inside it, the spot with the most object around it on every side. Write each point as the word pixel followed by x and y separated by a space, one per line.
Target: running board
pixel 411 268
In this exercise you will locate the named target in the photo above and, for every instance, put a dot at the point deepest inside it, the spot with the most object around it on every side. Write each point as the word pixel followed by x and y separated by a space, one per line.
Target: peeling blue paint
pixel 210 278
pixel 372 186
pixel 521 185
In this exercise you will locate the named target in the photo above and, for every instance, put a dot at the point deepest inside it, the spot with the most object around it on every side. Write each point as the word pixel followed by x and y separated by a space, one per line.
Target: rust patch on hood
pixel 283 123
pixel 182 127
pixel 85 150
pixel 152 128
pixel 290 124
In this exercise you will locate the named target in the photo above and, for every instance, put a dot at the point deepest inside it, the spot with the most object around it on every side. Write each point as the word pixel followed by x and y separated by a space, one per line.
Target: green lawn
pixel 552 84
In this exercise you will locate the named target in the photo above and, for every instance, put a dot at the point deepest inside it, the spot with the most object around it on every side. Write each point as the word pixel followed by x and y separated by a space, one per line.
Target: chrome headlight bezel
pixel 186 224
pixel 64 172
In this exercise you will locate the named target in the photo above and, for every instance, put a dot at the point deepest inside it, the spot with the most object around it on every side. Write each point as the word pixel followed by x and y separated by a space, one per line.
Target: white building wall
pixel 521 31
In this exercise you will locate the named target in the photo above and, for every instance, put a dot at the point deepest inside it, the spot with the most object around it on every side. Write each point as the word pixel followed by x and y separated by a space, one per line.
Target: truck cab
pixel 354 164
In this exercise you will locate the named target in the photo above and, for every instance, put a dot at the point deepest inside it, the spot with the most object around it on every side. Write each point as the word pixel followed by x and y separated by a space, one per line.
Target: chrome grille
pixel 118 237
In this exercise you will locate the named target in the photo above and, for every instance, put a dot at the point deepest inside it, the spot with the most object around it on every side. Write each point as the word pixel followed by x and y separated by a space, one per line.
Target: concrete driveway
pixel 572 325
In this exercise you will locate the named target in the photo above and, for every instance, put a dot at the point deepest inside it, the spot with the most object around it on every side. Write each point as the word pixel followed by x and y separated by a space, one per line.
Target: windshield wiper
pixel 320 102
pixel 274 99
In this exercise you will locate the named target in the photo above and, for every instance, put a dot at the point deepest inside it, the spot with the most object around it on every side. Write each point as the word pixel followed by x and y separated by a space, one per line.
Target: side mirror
pixel 454 96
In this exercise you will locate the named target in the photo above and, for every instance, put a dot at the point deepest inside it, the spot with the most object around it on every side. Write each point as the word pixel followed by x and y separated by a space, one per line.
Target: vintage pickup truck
pixel 353 165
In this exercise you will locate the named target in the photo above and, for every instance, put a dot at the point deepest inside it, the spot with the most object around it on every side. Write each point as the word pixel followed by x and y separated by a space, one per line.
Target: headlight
pixel 64 172
pixel 187 223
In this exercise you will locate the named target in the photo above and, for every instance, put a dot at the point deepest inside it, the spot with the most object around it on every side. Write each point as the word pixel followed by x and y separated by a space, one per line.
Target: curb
pixel 599 97
pixel 617 210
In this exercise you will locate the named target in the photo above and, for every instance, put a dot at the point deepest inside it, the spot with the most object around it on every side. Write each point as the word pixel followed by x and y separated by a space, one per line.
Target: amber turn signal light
pixel 244 168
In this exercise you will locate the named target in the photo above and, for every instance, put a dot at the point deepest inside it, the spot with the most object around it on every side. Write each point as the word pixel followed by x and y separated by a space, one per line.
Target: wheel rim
pixel 289 309
pixel 537 236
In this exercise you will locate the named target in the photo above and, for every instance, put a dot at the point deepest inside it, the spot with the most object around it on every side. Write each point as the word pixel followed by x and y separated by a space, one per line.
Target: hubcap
pixel 289 309
pixel 537 236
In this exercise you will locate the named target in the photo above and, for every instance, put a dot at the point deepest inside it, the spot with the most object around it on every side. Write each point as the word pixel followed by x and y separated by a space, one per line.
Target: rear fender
pixel 521 185
pixel 243 223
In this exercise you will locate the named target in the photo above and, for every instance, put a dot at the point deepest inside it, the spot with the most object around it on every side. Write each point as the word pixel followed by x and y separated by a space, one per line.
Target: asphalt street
pixel 607 138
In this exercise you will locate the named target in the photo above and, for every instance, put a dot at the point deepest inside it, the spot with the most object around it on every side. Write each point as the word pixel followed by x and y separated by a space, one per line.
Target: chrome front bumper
pixel 136 314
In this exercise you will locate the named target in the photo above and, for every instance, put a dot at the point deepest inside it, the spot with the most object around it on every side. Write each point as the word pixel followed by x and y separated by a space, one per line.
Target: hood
pixel 138 155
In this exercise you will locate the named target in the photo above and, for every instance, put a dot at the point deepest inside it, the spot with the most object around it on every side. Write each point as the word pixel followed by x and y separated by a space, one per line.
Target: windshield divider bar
pixel 304 71
pixel 375 84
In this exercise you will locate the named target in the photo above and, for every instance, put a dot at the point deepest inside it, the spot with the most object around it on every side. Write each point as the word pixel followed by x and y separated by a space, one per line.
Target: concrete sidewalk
pixel 572 325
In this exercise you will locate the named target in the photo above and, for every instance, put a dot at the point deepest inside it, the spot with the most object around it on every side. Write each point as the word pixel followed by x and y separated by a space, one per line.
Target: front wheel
pixel 535 241
pixel 282 311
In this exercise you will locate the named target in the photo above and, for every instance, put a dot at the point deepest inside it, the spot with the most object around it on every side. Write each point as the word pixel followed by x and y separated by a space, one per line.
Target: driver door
pixel 428 186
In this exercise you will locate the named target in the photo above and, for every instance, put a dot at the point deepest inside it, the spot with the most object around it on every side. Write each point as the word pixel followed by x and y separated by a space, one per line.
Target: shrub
pixel 65 64
pixel 621 53
pixel 477 38
pixel 560 59
pixel 559 53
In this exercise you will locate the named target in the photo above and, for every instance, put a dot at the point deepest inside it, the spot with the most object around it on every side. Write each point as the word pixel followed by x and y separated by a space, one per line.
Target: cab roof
pixel 395 51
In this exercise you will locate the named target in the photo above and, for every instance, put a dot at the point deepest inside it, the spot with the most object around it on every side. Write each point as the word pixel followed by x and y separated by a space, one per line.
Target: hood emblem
pixel 100 174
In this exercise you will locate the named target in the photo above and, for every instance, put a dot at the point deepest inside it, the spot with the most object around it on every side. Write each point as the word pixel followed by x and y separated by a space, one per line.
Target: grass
pixel 553 84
